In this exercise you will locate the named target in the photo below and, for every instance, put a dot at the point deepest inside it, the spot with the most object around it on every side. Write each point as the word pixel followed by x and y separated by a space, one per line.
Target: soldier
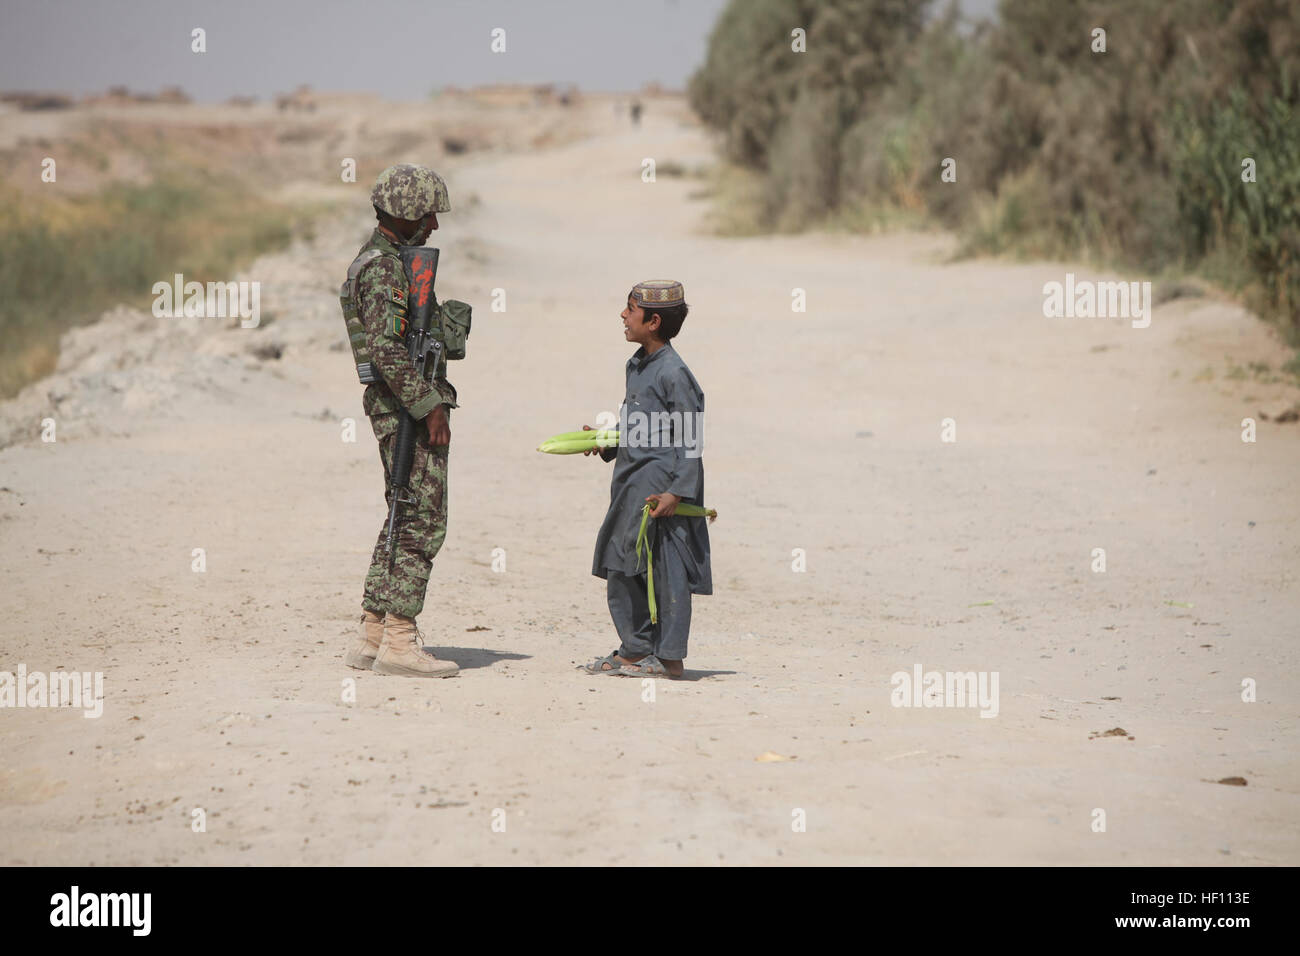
pixel 407 200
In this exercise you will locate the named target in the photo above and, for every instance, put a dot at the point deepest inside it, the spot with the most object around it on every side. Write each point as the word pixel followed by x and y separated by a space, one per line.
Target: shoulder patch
pixel 397 294
pixel 397 323
pixel 397 313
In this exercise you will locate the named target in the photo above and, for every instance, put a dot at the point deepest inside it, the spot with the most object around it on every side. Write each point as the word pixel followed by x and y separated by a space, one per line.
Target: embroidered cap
pixel 653 292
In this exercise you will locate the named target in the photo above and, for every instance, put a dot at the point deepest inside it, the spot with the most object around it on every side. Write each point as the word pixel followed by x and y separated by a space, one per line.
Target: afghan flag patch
pixel 397 319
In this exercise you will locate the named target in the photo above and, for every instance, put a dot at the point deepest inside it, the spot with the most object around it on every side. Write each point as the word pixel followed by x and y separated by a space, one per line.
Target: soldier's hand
pixel 439 428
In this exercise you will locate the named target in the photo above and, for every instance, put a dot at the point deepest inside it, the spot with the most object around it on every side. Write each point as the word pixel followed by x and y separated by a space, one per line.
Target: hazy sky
pixel 399 48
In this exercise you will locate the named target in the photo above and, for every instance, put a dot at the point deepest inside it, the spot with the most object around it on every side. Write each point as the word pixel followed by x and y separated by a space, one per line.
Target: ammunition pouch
pixel 456 316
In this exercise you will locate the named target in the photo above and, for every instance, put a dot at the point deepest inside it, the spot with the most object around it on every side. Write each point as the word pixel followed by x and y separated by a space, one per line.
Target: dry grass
pixel 63 260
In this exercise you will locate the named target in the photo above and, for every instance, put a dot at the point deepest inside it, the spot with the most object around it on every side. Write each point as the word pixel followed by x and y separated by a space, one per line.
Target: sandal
pixel 598 665
pixel 648 666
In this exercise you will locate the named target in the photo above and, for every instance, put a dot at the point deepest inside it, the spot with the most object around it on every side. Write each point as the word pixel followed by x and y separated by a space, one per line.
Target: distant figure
pixel 636 112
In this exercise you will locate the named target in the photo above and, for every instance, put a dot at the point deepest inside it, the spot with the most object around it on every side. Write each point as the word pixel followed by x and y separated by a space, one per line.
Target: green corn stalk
pixel 571 443
pixel 643 543
pixel 585 434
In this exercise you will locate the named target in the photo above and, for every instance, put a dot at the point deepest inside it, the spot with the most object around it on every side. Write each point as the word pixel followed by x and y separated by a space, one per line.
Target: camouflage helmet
pixel 410 192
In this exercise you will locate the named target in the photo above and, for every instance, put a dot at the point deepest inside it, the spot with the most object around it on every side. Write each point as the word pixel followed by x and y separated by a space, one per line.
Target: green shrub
pixel 1128 158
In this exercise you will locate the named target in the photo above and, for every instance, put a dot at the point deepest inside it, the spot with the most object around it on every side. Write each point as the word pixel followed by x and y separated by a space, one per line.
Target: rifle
pixel 421 265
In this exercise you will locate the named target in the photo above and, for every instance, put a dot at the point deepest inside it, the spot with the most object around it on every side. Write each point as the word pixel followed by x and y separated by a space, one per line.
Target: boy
pixel 658 461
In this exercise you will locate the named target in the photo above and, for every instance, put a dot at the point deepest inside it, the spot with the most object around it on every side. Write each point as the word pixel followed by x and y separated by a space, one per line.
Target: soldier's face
pixel 412 232
pixel 427 225
pixel 636 327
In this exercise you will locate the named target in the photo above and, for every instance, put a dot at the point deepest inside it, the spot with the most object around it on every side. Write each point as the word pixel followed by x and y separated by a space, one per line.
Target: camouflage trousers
pixel 421 524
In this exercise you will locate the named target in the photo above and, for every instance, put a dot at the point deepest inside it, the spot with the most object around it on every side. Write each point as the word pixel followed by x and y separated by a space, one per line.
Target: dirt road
pixel 225 690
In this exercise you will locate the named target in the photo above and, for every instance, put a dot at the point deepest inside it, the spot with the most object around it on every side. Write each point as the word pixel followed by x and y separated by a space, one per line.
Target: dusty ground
pixel 224 689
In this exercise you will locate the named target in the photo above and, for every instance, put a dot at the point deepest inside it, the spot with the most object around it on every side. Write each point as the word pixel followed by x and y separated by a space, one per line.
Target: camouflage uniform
pixel 380 300
pixel 381 297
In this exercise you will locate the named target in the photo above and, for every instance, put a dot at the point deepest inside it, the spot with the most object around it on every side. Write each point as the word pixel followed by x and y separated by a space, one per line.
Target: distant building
pixel 300 100
pixel 38 101
pixel 173 94
pixel 517 94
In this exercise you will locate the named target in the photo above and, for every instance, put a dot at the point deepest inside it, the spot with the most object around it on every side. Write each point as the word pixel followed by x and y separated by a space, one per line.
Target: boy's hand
pixel 439 428
pixel 593 451
pixel 664 507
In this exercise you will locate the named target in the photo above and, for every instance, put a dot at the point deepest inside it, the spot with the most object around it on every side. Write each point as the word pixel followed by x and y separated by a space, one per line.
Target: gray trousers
pixel 629 606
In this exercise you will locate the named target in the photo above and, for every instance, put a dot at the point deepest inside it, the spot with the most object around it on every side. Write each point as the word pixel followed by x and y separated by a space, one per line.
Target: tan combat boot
pixel 362 653
pixel 401 653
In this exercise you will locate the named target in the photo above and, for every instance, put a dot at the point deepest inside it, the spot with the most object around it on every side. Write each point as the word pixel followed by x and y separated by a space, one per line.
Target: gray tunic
pixel 654 457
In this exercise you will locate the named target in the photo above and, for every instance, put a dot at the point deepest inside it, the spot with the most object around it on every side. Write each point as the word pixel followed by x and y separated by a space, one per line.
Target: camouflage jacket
pixel 381 298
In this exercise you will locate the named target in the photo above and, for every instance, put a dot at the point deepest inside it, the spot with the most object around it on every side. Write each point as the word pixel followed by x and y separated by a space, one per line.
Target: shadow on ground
pixel 470 658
